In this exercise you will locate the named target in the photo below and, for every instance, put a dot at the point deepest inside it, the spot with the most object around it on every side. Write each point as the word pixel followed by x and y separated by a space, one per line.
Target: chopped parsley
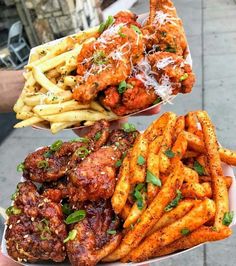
pixel 228 218
pixel 137 194
pixel 71 236
pixel 169 153
pixel 174 202
pixel 99 58
pixel 111 232
pixel 140 160
pixel 118 163
pixel 151 178
pixel 185 231
pixel 170 49
pixel 66 209
pixel 20 167
pixel 136 29
pixel 198 168
pixel 106 24
pixel 75 217
pixel 185 76
pixel 127 127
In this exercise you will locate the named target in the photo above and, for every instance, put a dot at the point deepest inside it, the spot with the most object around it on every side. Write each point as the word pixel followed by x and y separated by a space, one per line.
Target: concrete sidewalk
pixel 211 29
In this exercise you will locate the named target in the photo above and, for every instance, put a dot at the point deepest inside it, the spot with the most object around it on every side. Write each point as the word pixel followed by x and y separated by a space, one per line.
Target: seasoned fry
pixel 196 190
pixel 201 235
pixel 164 163
pixel 58 126
pixel 125 211
pixel 153 167
pixel 25 112
pixel 151 215
pixel 170 217
pixel 122 189
pixel 74 116
pixel 227 156
pixel 191 122
pixel 220 192
pixel 190 154
pixel 190 176
pixel 179 126
pixel 50 109
pixel 135 212
pixel 19 104
pixel 138 169
pixel 29 122
pixel 199 214
pixel 179 148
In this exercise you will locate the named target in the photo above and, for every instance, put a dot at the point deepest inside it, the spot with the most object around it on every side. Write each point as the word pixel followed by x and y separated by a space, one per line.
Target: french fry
pixel 125 211
pixel 190 154
pixel 227 156
pixel 56 127
pixel 220 192
pixel 196 217
pixel 170 217
pixel 201 235
pixel 44 81
pixel 122 189
pixel 179 148
pixel 25 112
pixel 196 190
pixel 191 122
pixel 70 81
pixel 50 109
pixel 135 212
pixel 153 167
pixel 52 73
pixel 203 161
pixel 138 170
pixel 74 116
pixel 190 176
pixel 151 215
pixel 29 122
pixel 19 104
pixel 164 163
pixel 97 107
pixel 179 126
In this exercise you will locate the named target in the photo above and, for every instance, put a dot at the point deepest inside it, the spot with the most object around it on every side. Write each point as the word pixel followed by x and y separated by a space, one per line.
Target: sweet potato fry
pixel 138 169
pixel 197 216
pixel 171 216
pixel 151 215
pixel 190 176
pixel 201 235
pixel 135 212
pixel 122 189
pixel 220 192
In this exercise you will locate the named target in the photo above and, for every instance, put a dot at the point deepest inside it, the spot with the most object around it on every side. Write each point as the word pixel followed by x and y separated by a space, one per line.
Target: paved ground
pixel 211 29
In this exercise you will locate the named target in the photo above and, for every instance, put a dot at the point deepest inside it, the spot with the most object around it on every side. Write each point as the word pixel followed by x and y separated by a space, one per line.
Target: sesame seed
pixel 25 236
pixel 103 173
pixel 18 221
pixel 10 226
pixel 112 158
pixel 32 219
pixel 56 231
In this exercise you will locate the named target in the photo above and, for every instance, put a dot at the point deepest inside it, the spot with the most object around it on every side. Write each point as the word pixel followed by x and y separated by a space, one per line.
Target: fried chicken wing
pixel 98 230
pixel 35 228
pixel 108 60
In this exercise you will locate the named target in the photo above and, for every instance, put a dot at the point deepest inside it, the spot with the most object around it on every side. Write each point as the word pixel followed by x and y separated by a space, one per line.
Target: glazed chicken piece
pixel 96 236
pixel 108 60
pixel 35 227
pixel 164 30
pixel 51 163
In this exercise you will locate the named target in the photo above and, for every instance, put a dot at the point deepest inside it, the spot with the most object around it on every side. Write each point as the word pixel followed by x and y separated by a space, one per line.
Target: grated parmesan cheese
pixel 162 63
pixel 163 18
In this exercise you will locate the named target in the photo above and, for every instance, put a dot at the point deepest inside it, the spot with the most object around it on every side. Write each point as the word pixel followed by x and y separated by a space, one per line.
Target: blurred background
pixel 211 31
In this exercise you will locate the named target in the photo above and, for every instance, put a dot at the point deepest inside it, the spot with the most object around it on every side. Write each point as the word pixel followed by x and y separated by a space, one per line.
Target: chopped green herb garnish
pixel 75 217
pixel 174 202
pixel 151 178
pixel 158 100
pixel 44 229
pixel 170 49
pixel 163 33
pixel 198 168
pixel 56 145
pixel 13 210
pixel 43 164
pixel 14 195
pixel 71 236
pixel 98 135
pixel 111 232
pixel 213 228
pixel 80 139
pixel 131 226
pixel 82 152
pixel 127 127
pixel 123 86
pixel 104 25
pixel 185 76
pixel 48 154
pixel 185 231
pixel 136 29
pixel 228 218
pixel 66 209
pixel 169 153
pixel 121 33
pixel 140 160
pixel 117 144
pixel 99 58
pixel 118 163
pixel 137 194
pixel 20 167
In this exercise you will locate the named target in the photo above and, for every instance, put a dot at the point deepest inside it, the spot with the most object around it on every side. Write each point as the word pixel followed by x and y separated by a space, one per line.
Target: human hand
pixel 5 261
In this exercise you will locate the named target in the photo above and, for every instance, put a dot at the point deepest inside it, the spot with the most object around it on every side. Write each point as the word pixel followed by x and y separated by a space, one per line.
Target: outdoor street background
pixel 211 30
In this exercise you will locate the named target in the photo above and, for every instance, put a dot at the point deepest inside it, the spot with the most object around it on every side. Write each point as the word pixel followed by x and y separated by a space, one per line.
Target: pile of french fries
pixel 47 94
pixel 171 191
